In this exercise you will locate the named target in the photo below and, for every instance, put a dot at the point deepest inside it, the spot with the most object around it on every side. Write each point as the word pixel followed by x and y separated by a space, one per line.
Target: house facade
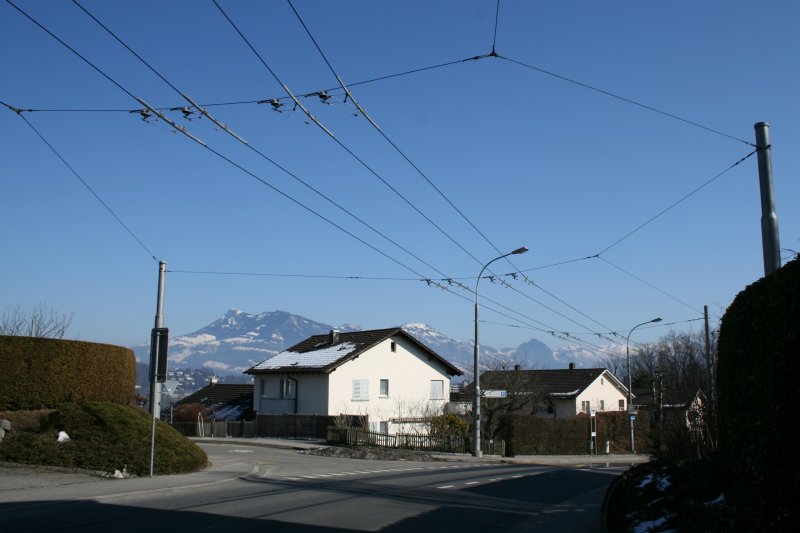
pixel 560 393
pixel 386 375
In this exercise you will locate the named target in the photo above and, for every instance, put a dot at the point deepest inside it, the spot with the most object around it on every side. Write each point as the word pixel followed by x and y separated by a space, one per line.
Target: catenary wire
pixel 215 152
pixel 603 259
pixel 674 204
pixel 85 184
pixel 496 20
pixel 429 181
pixel 257 151
pixel 623 99
pixel 258 178
pixel 340 143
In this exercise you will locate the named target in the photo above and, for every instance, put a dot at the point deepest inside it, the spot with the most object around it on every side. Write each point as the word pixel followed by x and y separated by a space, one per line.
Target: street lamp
pixel 476 400
pixel 630 390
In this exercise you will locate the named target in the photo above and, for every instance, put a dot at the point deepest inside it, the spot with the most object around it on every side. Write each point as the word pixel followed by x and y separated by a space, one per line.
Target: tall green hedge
pixel 757 388
pixel 37 372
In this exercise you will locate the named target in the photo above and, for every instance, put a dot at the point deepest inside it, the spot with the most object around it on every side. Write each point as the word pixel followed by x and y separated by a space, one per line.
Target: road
pixel 251 488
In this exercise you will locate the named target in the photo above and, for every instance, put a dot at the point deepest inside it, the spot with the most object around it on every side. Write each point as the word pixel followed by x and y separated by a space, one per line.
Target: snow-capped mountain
pixel 238 340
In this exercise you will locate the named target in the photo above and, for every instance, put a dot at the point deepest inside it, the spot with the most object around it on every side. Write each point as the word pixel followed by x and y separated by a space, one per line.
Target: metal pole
pixel 711 414
pixel 476 397
pixel 155 386
pixel 631 413
pixel 630 390
pixel 476 400
pixel 770 240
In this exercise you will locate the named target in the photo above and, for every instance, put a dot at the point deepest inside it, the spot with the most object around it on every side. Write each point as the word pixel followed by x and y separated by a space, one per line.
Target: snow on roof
pixel 312 359
pixel 565 394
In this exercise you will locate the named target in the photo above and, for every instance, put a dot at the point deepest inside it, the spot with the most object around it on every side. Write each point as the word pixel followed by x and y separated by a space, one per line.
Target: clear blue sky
pixel 529 158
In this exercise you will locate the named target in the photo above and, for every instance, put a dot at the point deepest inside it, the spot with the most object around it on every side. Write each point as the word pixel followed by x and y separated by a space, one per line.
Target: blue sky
pixel 529 159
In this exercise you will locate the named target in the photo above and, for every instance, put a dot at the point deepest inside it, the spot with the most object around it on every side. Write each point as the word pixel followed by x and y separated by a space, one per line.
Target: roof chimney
pixel 333 337
pixel 572 366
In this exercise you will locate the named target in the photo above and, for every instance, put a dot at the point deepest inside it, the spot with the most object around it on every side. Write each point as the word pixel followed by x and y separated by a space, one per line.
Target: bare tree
pixel 41 321
pixel 523 394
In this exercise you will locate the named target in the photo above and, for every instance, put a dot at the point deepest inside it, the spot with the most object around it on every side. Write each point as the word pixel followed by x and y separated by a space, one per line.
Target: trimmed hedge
pixel 758 368
pixel 38 373
pixel 538 435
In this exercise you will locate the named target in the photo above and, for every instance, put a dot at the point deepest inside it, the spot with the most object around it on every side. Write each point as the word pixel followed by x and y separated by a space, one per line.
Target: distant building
pixel 561 393
pixel 223 401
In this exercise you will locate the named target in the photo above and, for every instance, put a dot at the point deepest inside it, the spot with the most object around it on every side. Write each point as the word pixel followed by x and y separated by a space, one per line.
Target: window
pixel 393 346
pixel 602 405
pixel 622 405
pixel 601 381
pixel 437 389
pixel 384 388
pixel 384 428
pixel 360 390
pixel 263 382
pixel 585 407
pixel 287 388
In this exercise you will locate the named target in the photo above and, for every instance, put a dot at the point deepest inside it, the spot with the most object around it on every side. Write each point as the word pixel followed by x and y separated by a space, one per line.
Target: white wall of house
pixel 603 395
pixel 409 374
pixel 271 395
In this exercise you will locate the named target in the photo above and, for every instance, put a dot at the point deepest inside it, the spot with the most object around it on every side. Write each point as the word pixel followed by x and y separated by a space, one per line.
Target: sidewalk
pixel 552 460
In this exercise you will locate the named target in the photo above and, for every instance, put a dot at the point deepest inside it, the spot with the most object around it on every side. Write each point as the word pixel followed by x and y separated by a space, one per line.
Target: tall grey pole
pixel 710 368
pixel 476 395
pixel 155 386
pixel 631 410
pixel 770 240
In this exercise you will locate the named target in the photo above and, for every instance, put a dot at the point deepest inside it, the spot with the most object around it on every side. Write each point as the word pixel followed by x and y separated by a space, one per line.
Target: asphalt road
pixel 251 488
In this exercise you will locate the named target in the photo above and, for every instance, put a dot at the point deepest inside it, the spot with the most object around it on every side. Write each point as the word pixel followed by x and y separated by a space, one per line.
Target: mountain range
pixel 238 340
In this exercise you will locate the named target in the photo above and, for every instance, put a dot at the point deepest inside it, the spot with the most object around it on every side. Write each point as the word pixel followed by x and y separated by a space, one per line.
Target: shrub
pixel 43 373
pixel 758 365
pixel 105 437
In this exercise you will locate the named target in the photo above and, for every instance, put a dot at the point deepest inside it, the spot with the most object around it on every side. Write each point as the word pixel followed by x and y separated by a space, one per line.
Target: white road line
pixel 446 487
pixel 472 483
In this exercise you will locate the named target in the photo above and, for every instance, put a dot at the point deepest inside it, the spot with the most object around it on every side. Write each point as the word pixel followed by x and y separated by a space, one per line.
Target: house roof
pixel 560 383
pixel 318 354
pixel 218 393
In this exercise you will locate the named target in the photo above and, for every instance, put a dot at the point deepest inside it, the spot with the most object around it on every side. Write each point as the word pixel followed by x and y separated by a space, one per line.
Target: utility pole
pixel 710 367
pixel 155 341
pixel 770 241
pixel 155 385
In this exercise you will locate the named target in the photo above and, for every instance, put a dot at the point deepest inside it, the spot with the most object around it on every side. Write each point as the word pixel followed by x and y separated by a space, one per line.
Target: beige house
pixel 561 393
pixel 385 374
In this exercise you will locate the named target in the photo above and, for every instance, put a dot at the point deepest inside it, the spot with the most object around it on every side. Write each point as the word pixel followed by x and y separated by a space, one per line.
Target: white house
pixel 385 374
pixel 561 393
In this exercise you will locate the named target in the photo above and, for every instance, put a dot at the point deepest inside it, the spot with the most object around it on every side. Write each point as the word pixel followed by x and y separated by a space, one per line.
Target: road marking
pixel 472 483
pixel 446 487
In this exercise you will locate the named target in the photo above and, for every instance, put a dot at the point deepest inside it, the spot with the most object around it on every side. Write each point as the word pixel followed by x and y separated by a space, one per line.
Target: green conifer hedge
pixel 40 373
pixel 757 387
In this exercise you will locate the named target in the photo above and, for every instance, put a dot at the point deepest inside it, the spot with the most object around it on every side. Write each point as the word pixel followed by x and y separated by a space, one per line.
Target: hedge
pixel 38 373
pixel 758 368
pixel 538 435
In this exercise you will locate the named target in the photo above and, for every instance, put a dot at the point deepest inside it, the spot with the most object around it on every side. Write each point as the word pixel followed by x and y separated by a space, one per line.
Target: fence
pixel 283 425
pixel 216 428
pixel 432 443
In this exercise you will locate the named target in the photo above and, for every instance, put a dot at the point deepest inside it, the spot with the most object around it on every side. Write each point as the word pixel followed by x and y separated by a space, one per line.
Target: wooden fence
pixel 283 426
